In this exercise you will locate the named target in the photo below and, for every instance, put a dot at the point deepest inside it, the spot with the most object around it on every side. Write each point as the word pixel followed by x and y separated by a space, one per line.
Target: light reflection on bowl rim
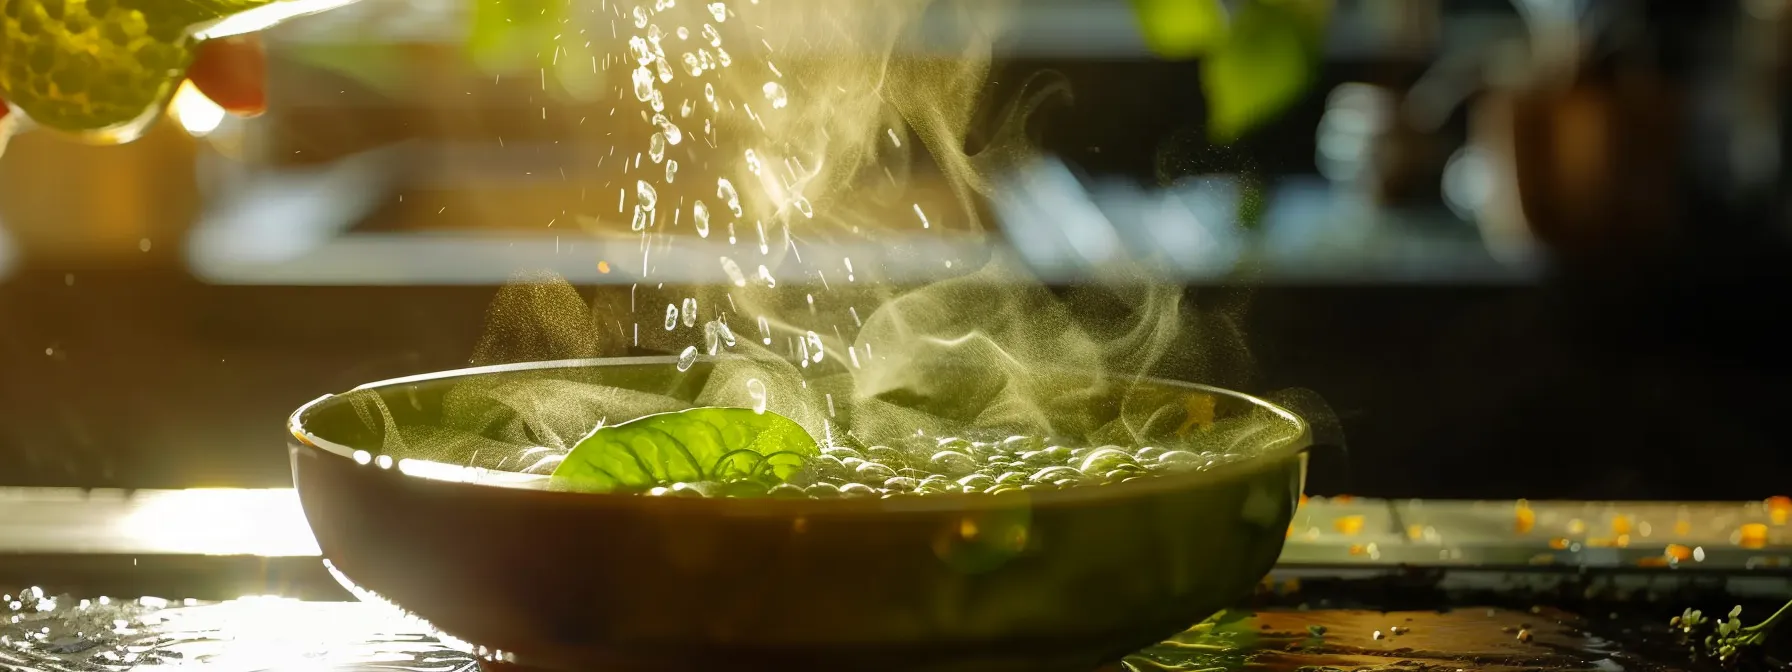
pixel 1294 445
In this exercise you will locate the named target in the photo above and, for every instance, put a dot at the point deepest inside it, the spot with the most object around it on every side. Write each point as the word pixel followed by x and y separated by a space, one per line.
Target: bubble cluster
pixel 958 466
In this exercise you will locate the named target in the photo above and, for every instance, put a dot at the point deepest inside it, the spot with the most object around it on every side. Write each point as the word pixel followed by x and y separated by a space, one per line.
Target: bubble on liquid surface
pixel 700 215
pixel 775 93
pixel 756 392
pixel 656 147
pixel 671 317
pixel 643 79
pixel 765 276
pixel 815 349
pixel 646 195
pixel 690 311
pixel 687 358
pixel 725 191
pixel 734 273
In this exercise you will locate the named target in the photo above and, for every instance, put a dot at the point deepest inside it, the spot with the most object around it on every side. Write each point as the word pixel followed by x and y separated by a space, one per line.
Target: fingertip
pixel 232 72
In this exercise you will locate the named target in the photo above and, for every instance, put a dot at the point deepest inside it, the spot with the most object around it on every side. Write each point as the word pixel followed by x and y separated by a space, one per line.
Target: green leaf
pixel 700 444
pixel 514 34
pixel 1181 29
pixel 1266 64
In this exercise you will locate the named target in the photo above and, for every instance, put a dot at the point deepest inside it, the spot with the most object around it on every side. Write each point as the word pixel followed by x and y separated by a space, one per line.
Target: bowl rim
pixel 1278 451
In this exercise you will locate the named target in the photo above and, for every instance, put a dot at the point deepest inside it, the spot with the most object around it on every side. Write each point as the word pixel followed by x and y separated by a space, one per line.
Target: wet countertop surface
pixel 1484 563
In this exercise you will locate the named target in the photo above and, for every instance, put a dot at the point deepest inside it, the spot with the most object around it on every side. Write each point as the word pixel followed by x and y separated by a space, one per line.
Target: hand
pixel 230 71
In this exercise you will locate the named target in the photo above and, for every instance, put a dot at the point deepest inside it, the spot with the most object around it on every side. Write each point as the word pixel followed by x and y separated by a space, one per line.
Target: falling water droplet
pixel 803 206
pixel 802 353
pixel 683 33
pixel 893 139
pixel 774 92
pixel 849 269
pixel 671 317
pixel 646 195
pixel 752 162
pixel 673 135
pixel 639 49
pixel 922 215
pixel 756 391
pixel 665 72
pixel 731 239
pixel 764 244
pixel 723 57
pixel 815 350
pixel 725 191
pixel 692 65
pixel 639 222
pixel 727 334
pixel 671 171
pixel 718 10
pixel 643 84
pixel 855 316
pixel 656 147
pixel 712 338
pixel 657 101
pixel 654 34
pixel 687 108
pixel 687 358
pixel 710 34
pixel 765 276
pixel 709 95
pixel 700 215
pixel 640 17
pixel 690 311
pixel 734 274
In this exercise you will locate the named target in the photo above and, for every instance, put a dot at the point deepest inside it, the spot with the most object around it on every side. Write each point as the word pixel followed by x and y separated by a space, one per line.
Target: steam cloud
pixel 873 132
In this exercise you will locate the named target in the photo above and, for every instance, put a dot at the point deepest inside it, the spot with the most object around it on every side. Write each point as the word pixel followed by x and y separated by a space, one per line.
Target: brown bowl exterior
pixel 1059 580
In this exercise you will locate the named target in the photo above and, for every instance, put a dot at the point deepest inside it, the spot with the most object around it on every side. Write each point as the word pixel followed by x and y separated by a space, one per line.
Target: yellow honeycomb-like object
pixel 100 68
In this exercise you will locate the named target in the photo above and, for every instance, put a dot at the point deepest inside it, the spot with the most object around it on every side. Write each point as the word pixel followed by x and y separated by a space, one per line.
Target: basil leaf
pixel 1181 29
pixel 700 444
pixel 1265 65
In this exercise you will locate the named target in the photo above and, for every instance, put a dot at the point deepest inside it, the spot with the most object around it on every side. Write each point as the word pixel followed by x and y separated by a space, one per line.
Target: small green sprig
pixel 1729 637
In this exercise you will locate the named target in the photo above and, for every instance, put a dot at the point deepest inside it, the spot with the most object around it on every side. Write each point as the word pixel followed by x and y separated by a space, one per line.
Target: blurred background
pixel 1526 248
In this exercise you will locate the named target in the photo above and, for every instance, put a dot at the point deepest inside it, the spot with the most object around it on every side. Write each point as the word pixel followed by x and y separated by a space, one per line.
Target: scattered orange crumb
pixel 1653 561
pixel 1683 527
pixel 1526 518
pixel 1677 552
pixel 1348 525
pixel 1754 535
pixel 1779 509
pixel 1343 499
pixel 1558 543
pixel 603 267
pixel 1358 549
pixel 1620 525
pixel 1303 500
pixel 1415 532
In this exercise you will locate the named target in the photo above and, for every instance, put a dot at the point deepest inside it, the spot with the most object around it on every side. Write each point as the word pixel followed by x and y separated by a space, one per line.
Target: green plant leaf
pixel 700 444
pixel 1267 63
pixel 513 34
pixel 1181 29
